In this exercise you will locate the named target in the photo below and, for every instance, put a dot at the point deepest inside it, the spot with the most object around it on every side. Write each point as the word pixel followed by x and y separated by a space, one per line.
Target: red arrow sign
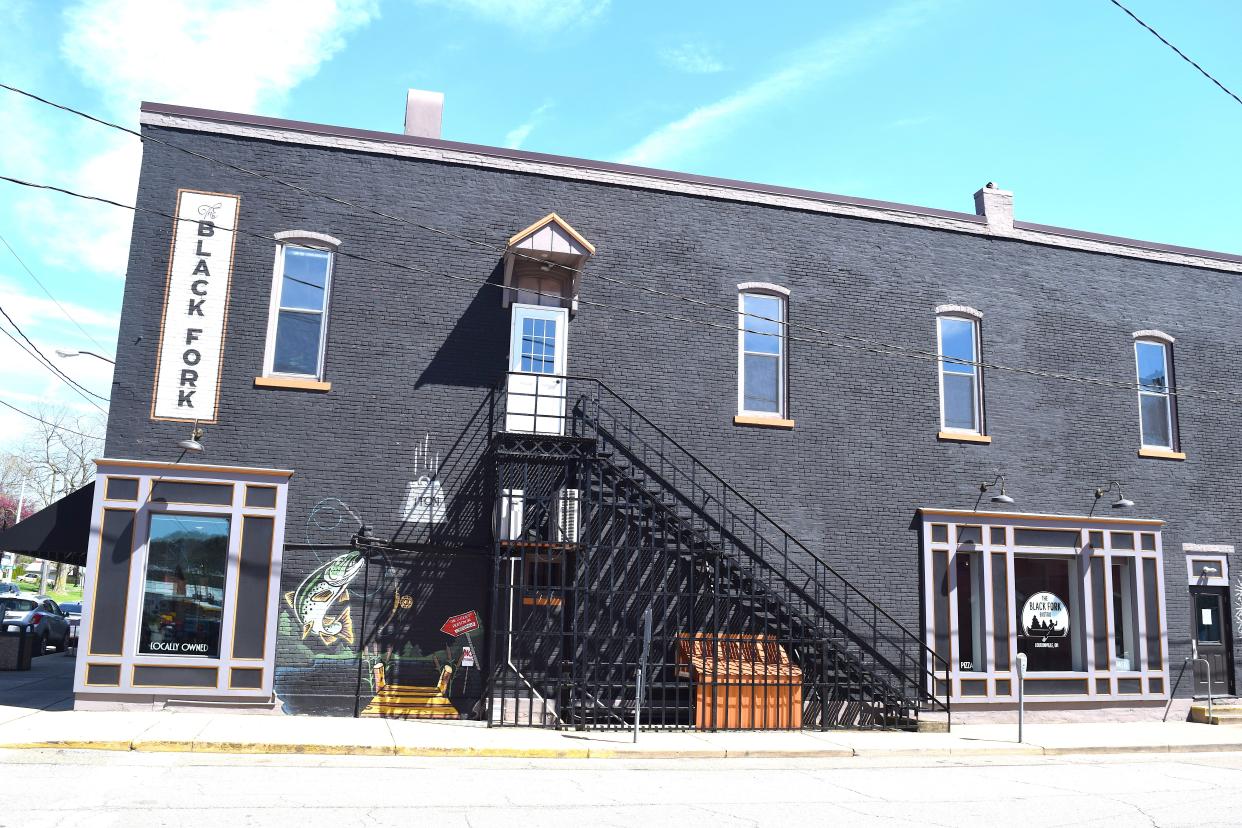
pixel 461 624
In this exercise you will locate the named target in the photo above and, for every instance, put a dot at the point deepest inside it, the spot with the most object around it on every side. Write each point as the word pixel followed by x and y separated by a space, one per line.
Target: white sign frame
pixel 194 254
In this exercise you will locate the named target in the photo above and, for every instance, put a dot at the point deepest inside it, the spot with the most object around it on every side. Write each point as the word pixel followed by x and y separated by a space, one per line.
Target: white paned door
pixel 537 386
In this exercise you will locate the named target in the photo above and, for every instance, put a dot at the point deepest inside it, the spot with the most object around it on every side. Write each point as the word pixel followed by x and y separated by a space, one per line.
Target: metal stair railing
pixel 587 407
pixel 895 699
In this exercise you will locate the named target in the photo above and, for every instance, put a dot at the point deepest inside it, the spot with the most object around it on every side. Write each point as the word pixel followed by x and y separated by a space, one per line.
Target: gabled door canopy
pixel 531 254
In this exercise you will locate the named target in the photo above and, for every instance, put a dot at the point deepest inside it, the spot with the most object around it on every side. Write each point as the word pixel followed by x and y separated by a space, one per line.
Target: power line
pixel 43 287
pixel 861 343
pixel 1216 394
pixel 44 364
pixel 48 363
pixel 46 423
pixel 1180 53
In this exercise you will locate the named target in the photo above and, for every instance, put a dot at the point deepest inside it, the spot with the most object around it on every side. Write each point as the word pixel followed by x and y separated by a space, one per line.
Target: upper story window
pixel 762 350
pixel 961 380
pixel 298 323
pixel 1153 359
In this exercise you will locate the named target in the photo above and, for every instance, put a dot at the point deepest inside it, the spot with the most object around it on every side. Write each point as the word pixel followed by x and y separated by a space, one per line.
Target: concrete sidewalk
pixel 234 733
pixel 34 714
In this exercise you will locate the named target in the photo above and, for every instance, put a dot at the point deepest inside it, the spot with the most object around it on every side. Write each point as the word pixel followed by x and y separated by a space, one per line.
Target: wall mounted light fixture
pixel 193 443
pixel 999 497
pixel 1122 502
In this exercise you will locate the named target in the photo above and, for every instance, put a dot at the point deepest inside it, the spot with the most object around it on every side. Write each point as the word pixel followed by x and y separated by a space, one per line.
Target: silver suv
pixel 49 624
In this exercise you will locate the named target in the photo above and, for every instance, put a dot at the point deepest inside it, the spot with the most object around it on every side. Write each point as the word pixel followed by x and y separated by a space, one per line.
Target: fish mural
pixel 314 598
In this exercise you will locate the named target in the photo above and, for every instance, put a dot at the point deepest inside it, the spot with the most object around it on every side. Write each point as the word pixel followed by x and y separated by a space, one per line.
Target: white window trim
pixel 1157 335
pixel 307 236
pixel 1207 553
pixel 1170 412
pixel 763 289
pixel 297 238
pixel 973 316
pixel 958 310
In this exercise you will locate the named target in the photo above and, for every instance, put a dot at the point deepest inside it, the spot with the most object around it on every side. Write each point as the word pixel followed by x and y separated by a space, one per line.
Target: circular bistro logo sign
pixel 1045 616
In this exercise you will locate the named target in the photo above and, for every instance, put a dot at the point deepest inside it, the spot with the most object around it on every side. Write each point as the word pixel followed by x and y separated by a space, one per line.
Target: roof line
pixel 541 157
pixel 258 126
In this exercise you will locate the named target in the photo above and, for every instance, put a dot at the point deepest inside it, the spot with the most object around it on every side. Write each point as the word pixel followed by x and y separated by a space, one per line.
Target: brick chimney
pixel 423 111
pixel 996 205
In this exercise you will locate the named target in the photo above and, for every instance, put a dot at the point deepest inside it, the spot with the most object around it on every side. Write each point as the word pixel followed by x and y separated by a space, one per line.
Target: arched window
pixel 1153 361
pixel 298 320
pixel 762 350
pixel 960 376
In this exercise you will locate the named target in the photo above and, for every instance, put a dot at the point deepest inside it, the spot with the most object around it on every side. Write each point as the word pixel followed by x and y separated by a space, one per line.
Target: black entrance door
pixel 1213 636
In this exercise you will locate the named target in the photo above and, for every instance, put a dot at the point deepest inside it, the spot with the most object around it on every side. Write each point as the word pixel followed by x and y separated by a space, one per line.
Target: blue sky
pixel 1088 118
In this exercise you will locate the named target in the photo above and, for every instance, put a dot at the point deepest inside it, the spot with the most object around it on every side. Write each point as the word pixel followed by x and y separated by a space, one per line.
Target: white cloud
pixel 515 137
pixel 695 58
pixel 530 15
pixel 236 55
pixel 828 57
pixel 243 55
pixel 239 55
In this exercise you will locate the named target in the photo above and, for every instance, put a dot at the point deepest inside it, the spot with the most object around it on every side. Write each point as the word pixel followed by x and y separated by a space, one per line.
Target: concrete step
pixel 1222 714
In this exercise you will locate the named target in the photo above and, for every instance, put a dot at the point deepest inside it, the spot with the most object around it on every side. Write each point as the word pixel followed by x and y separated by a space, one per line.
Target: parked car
pixel 49 624
pixel 73 614
pixel 7 588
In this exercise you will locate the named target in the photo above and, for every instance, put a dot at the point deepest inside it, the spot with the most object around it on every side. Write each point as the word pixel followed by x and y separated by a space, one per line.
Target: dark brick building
pixel 379 289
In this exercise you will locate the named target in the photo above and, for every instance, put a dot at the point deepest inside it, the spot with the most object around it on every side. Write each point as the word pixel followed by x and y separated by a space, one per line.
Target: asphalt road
pixel 101 788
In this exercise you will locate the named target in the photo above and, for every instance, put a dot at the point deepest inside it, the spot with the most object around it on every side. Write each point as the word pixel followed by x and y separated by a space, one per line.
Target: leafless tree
pixel 56 457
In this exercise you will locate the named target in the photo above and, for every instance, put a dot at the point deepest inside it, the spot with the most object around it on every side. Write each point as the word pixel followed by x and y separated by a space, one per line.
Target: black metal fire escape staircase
pixel 659 529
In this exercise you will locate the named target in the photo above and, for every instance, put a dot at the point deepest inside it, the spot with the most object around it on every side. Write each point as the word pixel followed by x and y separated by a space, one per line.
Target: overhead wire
pixel 25 413
pixel 1213 394
pixel 39 357
pixel 864 342
pixel 43 287
pixel 1179 52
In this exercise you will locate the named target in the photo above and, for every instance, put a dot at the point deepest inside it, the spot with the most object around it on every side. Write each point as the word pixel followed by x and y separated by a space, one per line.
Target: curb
pixel 279 748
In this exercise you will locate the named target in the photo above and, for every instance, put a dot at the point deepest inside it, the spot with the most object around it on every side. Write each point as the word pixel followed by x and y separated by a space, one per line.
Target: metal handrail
pixel 870 607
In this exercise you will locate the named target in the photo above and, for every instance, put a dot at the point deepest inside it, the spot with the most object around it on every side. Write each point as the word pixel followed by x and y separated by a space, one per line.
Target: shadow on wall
pixel 474 353
pixel 450 504
pixel 387 634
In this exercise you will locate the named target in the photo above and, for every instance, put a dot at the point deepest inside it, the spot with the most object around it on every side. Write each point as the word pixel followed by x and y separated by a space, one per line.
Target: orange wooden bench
pixel 741 681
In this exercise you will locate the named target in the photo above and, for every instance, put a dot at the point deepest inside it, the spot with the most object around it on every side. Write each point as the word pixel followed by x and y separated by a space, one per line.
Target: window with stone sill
pixel 960 375
pixel 762 351
pixel 298 320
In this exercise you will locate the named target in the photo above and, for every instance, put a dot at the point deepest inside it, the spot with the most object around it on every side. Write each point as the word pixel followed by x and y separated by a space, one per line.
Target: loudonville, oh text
pixel 192 356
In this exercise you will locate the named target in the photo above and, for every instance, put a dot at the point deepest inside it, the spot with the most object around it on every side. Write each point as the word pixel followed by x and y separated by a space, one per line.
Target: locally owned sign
pixel 187 372
pixel 461 624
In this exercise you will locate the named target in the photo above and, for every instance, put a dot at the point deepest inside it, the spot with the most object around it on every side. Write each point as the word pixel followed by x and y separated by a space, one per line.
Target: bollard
pixel 1021 689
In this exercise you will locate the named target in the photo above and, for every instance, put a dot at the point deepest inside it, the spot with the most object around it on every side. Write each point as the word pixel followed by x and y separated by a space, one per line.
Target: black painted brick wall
pixel 411 354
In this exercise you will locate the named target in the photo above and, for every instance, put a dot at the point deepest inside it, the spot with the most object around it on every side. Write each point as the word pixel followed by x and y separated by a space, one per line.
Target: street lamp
pixel 67 354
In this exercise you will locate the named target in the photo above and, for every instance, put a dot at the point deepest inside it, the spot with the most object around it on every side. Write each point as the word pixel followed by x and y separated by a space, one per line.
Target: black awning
pixel 58 532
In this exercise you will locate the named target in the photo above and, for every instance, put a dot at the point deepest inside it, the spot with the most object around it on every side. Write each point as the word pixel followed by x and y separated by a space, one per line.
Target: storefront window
pixel 969 612
pixel 1125 640
pixel 184 587
pixel 1046 612
pixel 1084 611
